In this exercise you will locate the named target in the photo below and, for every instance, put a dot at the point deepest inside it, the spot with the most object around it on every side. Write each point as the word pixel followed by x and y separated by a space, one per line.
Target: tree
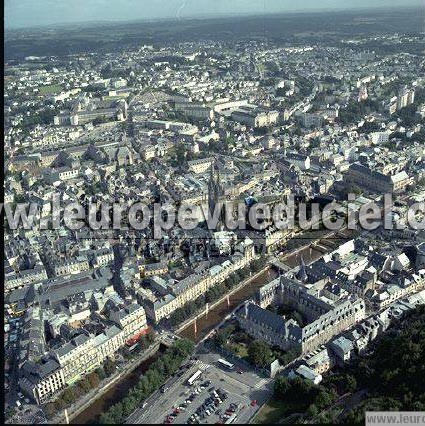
pixel 312 411
pixel 143 342
pixel 100 120
pixel 180 154
pixel 150 337
pixel 350 383
pixel 288 356
pixel 100 373
pixel 257 264
pixel 297 317
pixel 59 404
pixel 282 386
pixel 93 380
pixel 355 190
pixel 408 115
pixel 220 339
pixel 223 335
pixel 184 347
pixel 129 405
pixel 68 396
pixel 85 385
pixel 323 400
pixel 107 419
pixel 117 412
pixel 303 387
pixel 49 410
pixel 280 92
pixel 109 367
pixel 20 198
pixel 259 353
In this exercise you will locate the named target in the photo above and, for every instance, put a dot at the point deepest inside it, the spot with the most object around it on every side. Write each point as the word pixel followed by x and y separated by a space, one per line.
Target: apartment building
pixel 275 330
pixel 200 166
pixel 255 118
pixel 21 279
pixel 196 111
pixel 77 358
pixel 108 342
pixel 151 269
pixel 188 289
pixel 379 138
pixel 103 257
pixel 73 266
pixel 131 319
pixel 42 380
pixel 375 181
pixel 60 174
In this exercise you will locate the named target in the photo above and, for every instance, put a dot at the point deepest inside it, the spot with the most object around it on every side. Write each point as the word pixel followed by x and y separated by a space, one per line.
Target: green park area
pixel 272 412
pixel 50 89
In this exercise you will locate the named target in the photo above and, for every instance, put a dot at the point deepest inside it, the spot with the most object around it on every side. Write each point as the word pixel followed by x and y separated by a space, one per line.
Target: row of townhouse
pixel 14 280
pixel 412 284
pixel 43 379
pixel 191 287
pixel 71 266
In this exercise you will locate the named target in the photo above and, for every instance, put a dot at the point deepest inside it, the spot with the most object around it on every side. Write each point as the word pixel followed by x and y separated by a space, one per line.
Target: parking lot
pixel 216 403
pixel 218 395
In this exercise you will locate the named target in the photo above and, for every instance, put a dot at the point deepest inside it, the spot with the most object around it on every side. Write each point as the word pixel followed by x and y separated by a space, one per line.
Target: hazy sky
pixel 24 13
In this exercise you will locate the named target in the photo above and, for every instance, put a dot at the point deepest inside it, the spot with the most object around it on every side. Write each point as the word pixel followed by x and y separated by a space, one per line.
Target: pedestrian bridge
pixel 280 266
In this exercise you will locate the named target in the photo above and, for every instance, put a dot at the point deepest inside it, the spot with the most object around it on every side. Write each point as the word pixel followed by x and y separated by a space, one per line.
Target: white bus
pixel 194 378
pixel 226 364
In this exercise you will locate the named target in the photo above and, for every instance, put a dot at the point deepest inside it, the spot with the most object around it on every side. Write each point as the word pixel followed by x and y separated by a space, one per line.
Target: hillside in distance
pixel 61 40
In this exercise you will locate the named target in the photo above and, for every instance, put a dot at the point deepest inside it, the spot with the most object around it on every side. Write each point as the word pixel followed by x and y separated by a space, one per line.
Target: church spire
pixel 302 273
pixel 215 192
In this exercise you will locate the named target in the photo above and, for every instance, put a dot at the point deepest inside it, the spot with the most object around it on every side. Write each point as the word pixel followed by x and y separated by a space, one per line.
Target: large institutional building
pixel 329 297
pixel 375 181
pixel 326 318
pixel 255 117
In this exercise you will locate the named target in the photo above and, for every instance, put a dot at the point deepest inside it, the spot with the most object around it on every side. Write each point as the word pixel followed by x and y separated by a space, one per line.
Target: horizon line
pixel 206 17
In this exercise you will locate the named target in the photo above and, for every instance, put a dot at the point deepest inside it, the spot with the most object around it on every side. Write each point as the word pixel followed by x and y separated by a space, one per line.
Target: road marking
pixel 203 365
pixel 261 383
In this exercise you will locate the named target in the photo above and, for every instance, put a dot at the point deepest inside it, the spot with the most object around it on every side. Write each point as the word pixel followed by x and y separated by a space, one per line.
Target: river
pixel 207 322
pixel 115 394
pixel 204 324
